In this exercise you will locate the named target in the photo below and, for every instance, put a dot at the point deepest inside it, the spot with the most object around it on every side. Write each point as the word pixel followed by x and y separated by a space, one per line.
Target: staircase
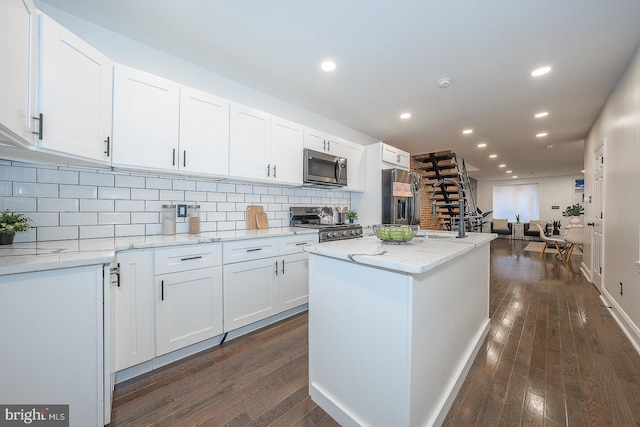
pixel 446 165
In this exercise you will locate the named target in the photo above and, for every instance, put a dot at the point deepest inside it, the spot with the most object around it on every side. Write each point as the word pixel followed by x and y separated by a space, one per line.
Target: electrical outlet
pixel 182 211
pixel 621 288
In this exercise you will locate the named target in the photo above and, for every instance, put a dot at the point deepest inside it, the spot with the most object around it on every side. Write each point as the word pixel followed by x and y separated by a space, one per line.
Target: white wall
pixel 129 52
pixel 554 191
pixel 619 126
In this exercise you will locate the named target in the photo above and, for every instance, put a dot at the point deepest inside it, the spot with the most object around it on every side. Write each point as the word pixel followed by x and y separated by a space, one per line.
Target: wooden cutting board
pixel 261 220
pixel 252 212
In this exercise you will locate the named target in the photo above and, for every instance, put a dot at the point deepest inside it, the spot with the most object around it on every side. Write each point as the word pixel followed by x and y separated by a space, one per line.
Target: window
pixel 512 200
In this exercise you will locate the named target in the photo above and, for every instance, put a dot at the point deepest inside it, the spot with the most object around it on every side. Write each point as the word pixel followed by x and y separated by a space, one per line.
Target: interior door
pixel 598 208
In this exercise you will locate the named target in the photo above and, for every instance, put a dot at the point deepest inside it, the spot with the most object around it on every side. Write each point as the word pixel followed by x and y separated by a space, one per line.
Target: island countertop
pixel 426 251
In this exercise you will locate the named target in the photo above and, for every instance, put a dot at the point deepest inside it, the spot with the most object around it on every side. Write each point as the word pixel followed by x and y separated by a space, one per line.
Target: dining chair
pixel 574 237
pixel 555 240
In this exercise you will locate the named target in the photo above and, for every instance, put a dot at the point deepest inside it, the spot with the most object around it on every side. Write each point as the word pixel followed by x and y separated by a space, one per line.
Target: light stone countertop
pixel 40 256
pixel 426 251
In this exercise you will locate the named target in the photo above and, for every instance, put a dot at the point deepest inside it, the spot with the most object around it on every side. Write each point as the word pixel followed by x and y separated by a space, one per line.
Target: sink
pixel 432 235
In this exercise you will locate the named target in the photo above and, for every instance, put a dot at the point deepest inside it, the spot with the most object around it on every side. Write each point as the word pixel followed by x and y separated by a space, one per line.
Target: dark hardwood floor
pixel 553 356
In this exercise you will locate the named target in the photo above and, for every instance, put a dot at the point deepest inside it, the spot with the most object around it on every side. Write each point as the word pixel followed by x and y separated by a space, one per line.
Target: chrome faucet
pixel 434 212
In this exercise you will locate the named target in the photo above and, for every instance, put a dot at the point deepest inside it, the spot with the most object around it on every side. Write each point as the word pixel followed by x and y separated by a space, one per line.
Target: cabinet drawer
pixel 181 258
pixel 295 244
pixel 247 250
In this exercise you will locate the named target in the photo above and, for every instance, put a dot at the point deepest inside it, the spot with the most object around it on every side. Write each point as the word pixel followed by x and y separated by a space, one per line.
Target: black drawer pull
pixel 302 243
pixel 254 249
pixel 162 290
pixel 190 258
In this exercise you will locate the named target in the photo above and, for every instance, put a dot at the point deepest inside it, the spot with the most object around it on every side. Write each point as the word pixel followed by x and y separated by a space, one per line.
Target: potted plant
pixel 518 218
pixel 574 211
pixel 351 216
pixel 10 224
pixel 556 227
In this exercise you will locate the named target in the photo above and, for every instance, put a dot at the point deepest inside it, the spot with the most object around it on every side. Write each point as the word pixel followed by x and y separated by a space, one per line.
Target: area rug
pixel 537 247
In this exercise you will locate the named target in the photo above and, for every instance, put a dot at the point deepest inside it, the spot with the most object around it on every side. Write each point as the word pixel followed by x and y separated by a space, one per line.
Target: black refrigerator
pixel 401 197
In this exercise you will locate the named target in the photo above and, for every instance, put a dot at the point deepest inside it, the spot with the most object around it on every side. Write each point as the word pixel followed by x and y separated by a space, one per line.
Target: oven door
pixel 324 169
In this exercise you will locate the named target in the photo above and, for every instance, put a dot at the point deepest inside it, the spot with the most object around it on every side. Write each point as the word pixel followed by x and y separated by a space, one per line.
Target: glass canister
pixel 168 219
pixel 194 219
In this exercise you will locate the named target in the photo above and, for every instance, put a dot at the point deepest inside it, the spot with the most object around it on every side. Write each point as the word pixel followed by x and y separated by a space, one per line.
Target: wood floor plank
pixel 553 356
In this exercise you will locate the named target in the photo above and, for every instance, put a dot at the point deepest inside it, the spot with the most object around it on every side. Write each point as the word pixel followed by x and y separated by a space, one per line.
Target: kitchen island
pixel 393 329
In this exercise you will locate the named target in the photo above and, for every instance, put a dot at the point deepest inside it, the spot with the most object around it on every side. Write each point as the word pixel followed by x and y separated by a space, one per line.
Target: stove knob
pixel 345 233
pixel 354 232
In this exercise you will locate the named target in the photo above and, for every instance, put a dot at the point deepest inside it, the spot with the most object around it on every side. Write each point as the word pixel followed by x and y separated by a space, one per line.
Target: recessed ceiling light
pixel 467 131
pixel 514 176
pixel 582 171
pixel 541 134
pixel 328 66
pixel 405 116
pixel 482 145
pixel 509 171
pixel 540 71
pixel 493 156
pixel 541 114
pixel 502 165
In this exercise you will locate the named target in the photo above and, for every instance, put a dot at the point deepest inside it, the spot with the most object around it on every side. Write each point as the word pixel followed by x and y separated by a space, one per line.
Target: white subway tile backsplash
pixel 79 191
pixel 145 217
pixel 68 202
pixel 93 178
pixel 159 183
pixel 114 193
pixel 130 230
pixel 26 236
pixel 105 218
pixel 54 176
pixel 173 195
pixel 6 188
pixel 18 204
pixel 57 233
pixel 12 173
pixel 78 218
pixel 31 189
pixel 130 206
pixel 184 184
pixel 96 231
pixel 130 181
pixel 139 194
pixel 58 205
pixel 94 205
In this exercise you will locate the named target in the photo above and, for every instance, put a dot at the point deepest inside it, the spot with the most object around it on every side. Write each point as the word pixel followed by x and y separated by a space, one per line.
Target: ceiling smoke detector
pixel 444 82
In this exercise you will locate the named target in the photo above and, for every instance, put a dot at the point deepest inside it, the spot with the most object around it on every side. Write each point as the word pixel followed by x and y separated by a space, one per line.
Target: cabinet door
pixel 18 29
pixel 76 84
pixel 250 292
pixel 395 157
pixel 293 281
pixel 188 308
pixel 204 132
pixel 133 309
pixel 320 141
pixel 286 151
pixel 145 120
pixel 355 166
pixel 249 135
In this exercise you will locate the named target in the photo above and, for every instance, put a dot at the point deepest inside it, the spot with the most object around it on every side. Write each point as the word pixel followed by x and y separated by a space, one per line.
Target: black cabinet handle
pixel 162 290
pixel 116 271
pixel 268 170
pixel 173 161
pixel 254 249
pixel 108 149
pixel 301 243
pixel 184 159
pixel 591 224
pixel 276 267
pixel 282 266
pixel 190 258
pixel 274 171
pixel 40 120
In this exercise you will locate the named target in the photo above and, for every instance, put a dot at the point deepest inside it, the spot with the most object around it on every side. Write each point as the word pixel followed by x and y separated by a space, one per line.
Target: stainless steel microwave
pixel 324 169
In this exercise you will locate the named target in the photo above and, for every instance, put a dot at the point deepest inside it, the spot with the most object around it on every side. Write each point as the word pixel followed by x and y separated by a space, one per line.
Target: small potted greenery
pixel 351 216
pixel 10 224
pixel 573 210
pixel 556 227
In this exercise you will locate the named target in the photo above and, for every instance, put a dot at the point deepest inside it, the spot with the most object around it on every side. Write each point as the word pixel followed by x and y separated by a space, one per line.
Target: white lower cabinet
pixel 250 292
pixel 133 311
pixel 188 308
pixel 294 281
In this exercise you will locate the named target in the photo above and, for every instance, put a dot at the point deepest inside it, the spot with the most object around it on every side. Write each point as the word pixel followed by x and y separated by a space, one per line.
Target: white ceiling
pixel 390 56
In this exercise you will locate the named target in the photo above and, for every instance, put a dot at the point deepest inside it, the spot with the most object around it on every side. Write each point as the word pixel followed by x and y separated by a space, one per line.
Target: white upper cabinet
pixel 18 29
pixel 204 132
pixel 323 142
pixel 75 95
pixel 264 147
pixel 394 157
pixel 286 151
pixel 145 120
pixel 354 154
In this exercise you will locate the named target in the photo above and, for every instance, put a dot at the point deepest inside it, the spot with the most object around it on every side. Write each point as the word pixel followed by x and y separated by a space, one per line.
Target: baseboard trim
pixel 626 324
pixel 586 271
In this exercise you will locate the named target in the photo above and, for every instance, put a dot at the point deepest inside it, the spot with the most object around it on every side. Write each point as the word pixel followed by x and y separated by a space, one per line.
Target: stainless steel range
pixel 322 219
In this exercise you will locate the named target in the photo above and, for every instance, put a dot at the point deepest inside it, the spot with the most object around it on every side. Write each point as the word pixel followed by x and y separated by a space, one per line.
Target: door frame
pixel 597 276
